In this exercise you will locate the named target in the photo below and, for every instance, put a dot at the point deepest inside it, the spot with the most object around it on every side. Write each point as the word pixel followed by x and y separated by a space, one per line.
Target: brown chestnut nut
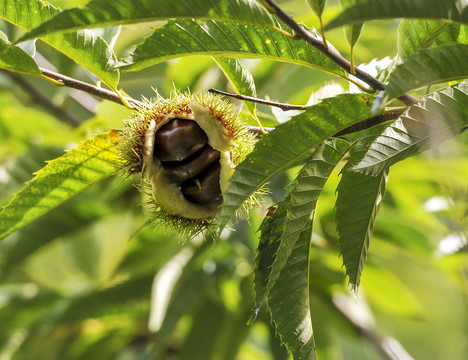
pixel 179 139
pixel 192 166
pixel 205 189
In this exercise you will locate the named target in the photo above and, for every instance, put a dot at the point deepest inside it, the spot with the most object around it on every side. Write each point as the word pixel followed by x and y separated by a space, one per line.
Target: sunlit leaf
pixel 428 122
pixel 84 47
pixel 427 67
pixel 190 37
pixel 367 10
pixel 289 144
pixel 415 34
pixel 99 13
pixel 59 180
pixel 14 58
pixel 240 78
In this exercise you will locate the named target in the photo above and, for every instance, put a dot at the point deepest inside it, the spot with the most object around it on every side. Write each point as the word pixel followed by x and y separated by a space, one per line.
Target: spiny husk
pixel 132 146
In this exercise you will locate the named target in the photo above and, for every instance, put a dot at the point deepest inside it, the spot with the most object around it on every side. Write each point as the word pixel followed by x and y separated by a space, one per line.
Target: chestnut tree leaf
pixel 290 144
pixel 99 13
pixel 430 121
pixel 359 197
pixel 92 161
pixel 427 67
pixel 288 300
pixel 224 38
pixel 282 263
pixel 84 47
pixel 366 10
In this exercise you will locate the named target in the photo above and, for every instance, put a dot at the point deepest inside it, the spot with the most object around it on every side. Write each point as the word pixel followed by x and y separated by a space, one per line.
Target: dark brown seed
pixel 204 189
pixel 192 166
pixel 179 139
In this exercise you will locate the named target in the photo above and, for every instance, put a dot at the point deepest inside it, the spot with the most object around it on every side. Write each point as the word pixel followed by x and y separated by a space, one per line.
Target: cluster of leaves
pixel 432 50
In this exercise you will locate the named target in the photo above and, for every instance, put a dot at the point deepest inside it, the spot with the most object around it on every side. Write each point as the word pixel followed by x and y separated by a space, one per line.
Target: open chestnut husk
pixel 186 148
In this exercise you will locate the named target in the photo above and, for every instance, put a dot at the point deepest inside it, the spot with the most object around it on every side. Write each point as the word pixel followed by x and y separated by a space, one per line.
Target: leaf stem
pixel 330 51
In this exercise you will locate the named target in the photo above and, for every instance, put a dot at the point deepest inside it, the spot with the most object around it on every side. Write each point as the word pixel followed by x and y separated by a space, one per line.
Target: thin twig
pixel 330 52
pixel 107 94
pixel 90 89
pixel 282 106
pixel 112 96
pixel 39 98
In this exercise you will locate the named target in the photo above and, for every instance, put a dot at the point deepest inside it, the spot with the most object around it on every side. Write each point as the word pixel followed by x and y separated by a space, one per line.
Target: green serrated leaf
pixel 427 67
pixel 290 144
pixel 431 120
pixel 62 178
pixel 359 197
pixel 14 58
pixel 304 197
pixel 271 229
pixel 366 10
pixel 415 34
pixel 289 264
pixel 240 78
pixel 84 47
pixel 288 301
pixel 190 37
pixel 99 13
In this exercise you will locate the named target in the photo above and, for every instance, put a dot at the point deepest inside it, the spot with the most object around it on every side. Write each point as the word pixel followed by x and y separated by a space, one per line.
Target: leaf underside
pixel 427 67
pixel 366 10
pixel 430 121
